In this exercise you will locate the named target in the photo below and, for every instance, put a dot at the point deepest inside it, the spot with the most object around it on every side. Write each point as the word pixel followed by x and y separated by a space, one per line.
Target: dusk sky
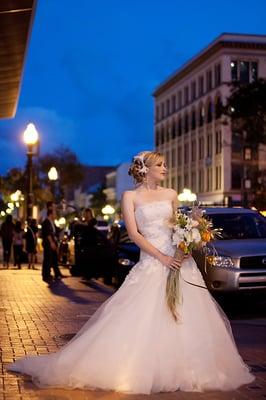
pixel 92 66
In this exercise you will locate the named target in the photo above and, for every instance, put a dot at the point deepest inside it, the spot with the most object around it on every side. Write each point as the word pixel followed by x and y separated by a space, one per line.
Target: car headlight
pixel 220 261
pixel 126 262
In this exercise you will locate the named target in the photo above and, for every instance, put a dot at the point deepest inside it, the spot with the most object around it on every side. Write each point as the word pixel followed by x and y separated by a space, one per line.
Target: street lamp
pixel 53 176
pixel 187 196
pixel 108 211
pixel 31 139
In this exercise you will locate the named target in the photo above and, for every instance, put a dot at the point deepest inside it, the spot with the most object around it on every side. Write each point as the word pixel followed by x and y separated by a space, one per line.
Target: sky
pixel 92 66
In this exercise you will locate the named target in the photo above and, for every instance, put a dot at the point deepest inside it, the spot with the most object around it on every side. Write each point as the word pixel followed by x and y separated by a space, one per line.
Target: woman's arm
pixel 130 221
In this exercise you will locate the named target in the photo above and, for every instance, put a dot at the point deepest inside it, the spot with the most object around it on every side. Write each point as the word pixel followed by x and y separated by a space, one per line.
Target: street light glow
pixel 30 135
pixel 108 210
pixel 53 174
pixel 15 196
pixel 187 195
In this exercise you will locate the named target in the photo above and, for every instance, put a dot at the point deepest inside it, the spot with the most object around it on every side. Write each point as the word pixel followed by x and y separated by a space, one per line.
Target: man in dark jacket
pixel 50 248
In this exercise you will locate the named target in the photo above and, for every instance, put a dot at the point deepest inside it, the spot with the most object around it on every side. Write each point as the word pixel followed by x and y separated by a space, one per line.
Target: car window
pixel 240 226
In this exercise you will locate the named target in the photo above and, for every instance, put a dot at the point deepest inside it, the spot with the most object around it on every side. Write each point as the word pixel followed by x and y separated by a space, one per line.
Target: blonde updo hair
pixel 141 164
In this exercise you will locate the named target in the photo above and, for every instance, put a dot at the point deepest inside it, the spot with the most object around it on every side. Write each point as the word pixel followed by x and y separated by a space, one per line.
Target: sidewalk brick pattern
pixel 36 318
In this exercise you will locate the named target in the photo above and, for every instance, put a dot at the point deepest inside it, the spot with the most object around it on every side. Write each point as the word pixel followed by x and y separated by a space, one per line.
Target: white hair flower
pixel 143 168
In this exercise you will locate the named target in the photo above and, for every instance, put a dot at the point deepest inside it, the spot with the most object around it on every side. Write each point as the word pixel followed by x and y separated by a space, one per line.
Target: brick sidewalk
pixel 36 319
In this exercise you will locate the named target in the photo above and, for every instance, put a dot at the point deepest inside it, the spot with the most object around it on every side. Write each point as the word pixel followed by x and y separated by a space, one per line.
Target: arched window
pixel 218 108
pixel 193 120
pixel 180 126
pixel 210 112
pixel 186 123
pixel 201 115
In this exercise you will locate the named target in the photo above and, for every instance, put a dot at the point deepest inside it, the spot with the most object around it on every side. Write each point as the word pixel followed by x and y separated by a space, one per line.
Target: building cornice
pixel 205 55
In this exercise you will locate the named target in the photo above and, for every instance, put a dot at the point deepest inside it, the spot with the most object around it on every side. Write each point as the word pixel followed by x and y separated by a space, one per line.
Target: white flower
pixel 195 235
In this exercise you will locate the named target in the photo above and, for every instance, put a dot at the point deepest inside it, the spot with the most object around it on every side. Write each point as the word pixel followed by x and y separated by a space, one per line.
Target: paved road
pixel 36 319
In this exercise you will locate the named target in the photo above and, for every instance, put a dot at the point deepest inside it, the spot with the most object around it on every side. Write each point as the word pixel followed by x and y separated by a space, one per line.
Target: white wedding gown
pixel 132 343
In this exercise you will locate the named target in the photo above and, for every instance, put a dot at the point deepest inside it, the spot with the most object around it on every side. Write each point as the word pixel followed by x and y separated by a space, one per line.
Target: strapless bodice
pixel 153 223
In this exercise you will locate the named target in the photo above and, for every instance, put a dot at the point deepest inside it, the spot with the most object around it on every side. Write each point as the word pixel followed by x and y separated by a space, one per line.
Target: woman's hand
pixel 170 262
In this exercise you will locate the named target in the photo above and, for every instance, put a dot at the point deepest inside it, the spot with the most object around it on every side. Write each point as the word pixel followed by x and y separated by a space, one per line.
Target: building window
pixel 157 116
pixel 162 110
pixel 209 145
pixel 247 154
pixel 179 156
pixel 201 85
pixel 186 95
pixel 179 183
pixel 193 150
pixel 167 158
pixel 209 79
pixel 186 124
pixel 218 142
pixel 193 120
pixel 218 108
pixel 186 154
pixel 193 90
pixel 167 133
pixel 201 147
pixel 179 126
pixel 244 71
pixel 167 107
pixel 186 181
pixel 234 70
pixel 157 137
pixel 162 134
pixel 179 99
pixel 201 115
pixel 173 103
pixel 173 183
pixel 236 177
pixel 193 181
pixel 237 143
pixel 254 71
pixel 209 113
pixel 201 180
pixel 173 158
pixel 209 179
pixel 218 177
pixel 173 132
pixel 217 75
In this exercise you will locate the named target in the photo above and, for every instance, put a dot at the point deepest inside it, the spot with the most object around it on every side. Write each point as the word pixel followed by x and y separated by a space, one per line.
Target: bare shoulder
pixel 128 195
pixel 169 193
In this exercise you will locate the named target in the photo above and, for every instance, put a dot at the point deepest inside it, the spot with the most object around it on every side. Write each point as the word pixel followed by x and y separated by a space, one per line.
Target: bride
pixel 132 344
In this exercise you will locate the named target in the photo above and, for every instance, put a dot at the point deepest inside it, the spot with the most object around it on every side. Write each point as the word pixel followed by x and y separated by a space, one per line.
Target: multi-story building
pixel 202 152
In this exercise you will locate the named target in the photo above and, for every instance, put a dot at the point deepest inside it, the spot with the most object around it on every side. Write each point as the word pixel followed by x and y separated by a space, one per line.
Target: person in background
pixel 50 248
pixel 31 242
pixel 18 244
pixel 6 232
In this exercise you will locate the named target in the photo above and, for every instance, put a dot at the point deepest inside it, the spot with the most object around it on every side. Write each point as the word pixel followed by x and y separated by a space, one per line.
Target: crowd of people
pixel 23 241
pixel 20 241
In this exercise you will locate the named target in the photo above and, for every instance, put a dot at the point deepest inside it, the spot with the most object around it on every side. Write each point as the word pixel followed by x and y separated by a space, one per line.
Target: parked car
pixel 126 252
pixel 234 262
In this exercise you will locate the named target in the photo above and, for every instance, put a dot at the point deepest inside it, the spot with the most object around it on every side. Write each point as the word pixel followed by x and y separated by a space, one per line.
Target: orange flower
pixel 182 246
pixel 206 236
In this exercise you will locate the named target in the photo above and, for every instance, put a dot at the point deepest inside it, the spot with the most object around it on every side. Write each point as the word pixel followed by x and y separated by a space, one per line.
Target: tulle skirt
pixel 133 345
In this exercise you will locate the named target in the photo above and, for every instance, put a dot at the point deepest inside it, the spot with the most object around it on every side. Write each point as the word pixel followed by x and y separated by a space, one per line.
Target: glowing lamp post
pixel 108 211
pixel 53 176
pixel 187 196
pixel 31 139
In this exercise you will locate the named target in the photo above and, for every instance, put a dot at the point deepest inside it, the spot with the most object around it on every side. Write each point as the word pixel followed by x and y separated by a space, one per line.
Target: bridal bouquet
pixel 190 231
